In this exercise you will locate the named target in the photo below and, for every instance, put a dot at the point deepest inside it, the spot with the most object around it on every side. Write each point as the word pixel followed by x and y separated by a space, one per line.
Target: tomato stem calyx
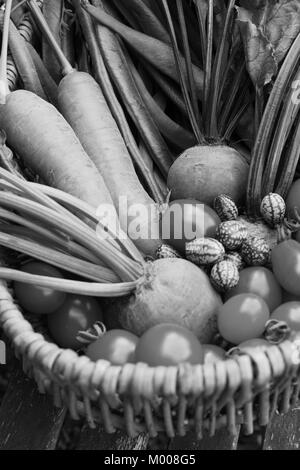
pixel 276 331
pixel 91 334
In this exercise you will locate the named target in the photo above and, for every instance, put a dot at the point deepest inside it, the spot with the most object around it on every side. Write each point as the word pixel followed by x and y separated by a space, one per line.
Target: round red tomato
pixel 213 354
pixel 168 345
pixel 285 264
pixel 40 300
pixel 259 281
pixel 115 346
pixel 78 313
pixel 289 313
pixel 243 317
pixel 187 219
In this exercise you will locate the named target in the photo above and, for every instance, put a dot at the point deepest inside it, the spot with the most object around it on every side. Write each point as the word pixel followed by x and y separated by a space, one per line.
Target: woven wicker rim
pixel 243 389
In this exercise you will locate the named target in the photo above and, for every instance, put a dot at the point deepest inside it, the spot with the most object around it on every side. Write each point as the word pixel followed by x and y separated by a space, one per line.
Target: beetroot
pixel 172 291
pixel 205 171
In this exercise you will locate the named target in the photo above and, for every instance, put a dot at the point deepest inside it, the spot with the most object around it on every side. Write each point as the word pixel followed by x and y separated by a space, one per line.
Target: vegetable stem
pixel 208 62
pixel 266 128
pixel 20 239
pixel 188 60
pixel 121 264
pixel 191 114
pixel 4 91
pixel 217 73
pixel 39 17
pixel 69 286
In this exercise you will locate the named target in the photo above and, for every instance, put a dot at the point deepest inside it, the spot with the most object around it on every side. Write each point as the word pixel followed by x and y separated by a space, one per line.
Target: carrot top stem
pixel 4 91
pixel 42 24
pixel 69 286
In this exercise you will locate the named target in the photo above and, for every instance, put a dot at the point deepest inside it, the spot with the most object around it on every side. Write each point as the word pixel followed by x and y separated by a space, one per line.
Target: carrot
pixel 47 82
pixel 52 10
pixel 83 105
pixel 47 143
pixel 26 31
pixel 159 54
pixel 116 61
pixel 23 61
pixel 103 79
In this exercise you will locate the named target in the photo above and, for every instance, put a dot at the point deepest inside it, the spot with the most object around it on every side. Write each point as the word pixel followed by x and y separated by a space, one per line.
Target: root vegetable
pixel 172 291
pixel 204 172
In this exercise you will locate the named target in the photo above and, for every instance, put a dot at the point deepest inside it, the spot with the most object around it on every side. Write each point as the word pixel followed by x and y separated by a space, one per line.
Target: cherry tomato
pixel 213 354
pixel 259 281
pixel 289 313
pixel 115 346
pixel 40 300
pixel 286 265
pixel 78 313
pixel 254 345
pixel 168 345
pixel 242 317
pixel 187 219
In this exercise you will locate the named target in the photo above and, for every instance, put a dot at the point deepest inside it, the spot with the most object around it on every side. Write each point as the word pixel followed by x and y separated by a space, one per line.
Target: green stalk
pixel 4 91
pixel 122 265
pixel 36 12
pixel 69 286
pixel 218 69
pixel 188 60
pixel 202 30
pixel 51 236
pixel 208 62
pixel 238 112
pixel 231 97
pixel 76 205
pixel 34 193
pixel 20 239
pixel 259 108
pixel 285 123
pixel 266 129
pixel 192 117
pixel 290 163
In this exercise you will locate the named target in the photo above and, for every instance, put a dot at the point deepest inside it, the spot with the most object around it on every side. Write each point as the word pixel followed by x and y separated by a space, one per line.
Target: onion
pixel 206 171
pixel 172 291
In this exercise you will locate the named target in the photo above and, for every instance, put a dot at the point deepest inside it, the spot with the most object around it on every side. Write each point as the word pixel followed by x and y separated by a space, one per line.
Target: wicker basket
pixel 241 390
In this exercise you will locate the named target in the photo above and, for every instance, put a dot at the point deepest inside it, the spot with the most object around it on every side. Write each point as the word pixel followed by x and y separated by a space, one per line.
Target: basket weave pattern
pixel 240 390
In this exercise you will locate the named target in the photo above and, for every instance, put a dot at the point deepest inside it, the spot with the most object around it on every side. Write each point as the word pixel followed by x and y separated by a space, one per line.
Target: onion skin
pixel 206 171
pixel 173 291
